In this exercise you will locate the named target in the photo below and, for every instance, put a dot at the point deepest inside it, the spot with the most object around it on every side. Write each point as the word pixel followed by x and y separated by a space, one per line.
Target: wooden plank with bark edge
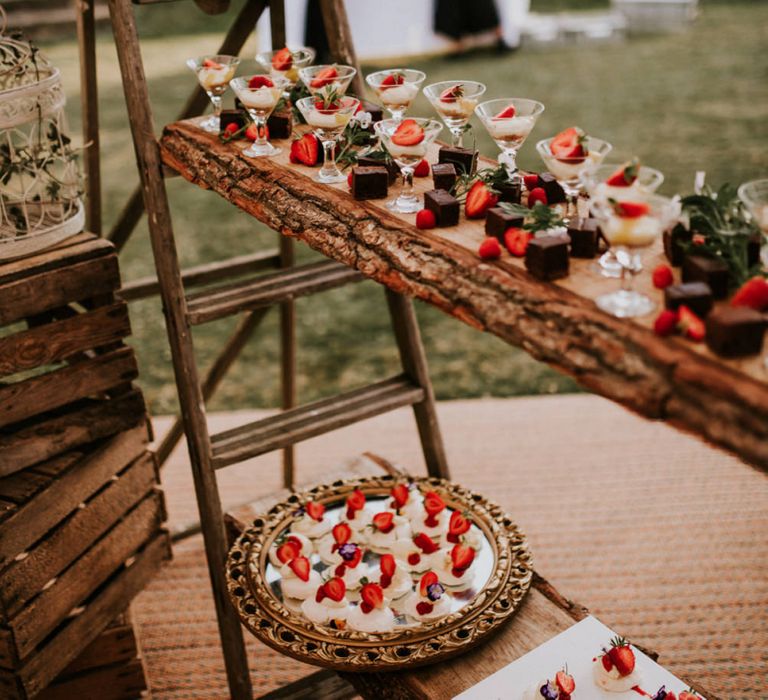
pixel 123 681
pixel 59 340
pixel 24 578
pixel 558 323
pixel 63 386
pixel 63 647
pixel 44 437
pixel 86 476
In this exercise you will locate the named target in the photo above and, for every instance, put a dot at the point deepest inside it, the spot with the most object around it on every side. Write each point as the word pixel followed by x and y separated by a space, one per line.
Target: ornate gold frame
pixel 269 620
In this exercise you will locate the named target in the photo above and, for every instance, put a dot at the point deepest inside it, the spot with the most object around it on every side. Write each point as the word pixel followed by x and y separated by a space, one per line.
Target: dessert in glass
pixel 285 63
pixel 570 156
pixel 407 142
pixel 396 88
pixel 630 226
pixel 454 101
pixel 509 121
pixel 259 95
pixel 214 74
pixel 328 114
pixel 327 79
pixel 754 194
pixel 620 181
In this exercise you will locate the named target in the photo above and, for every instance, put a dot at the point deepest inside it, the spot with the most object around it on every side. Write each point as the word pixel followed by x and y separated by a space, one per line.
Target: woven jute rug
pixel 661 537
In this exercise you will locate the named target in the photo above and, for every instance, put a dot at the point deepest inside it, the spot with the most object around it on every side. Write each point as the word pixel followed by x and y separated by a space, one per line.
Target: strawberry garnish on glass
pixel 315 510
pixel 630 210
pixel 282 60
pixel 260 81
pixel 324 77
pixel 400 495
pixel 210 63
pixel 506 113
pixel 434 505
pixel 301 567
pixel 570 145
pixel 392 80
pixel 625 176
pixel 453 93
pixel 462 557
pixel 341 535
pixel 372 597
pixel 288 551
pixel 384 522
pixel 388 566
pixel 355 503
pixel 457 526
pixel 408 133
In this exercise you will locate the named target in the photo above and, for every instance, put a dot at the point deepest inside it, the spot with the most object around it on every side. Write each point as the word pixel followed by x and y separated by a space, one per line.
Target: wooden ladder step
pixel 309 420
pixel 266 290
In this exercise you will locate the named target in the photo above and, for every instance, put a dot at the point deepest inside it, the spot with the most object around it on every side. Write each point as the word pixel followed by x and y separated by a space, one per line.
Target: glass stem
pixel 627 261
pixel 216 102
pixel 510 164
pixel 458 137
pixel 261 130
pixel 329 157
pixel 407 191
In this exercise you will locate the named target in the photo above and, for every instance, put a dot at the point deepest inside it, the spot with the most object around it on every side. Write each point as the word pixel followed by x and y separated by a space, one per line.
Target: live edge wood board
pixel 724 402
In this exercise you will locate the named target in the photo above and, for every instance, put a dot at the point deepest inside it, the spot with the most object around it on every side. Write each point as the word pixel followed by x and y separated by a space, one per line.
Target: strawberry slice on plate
pixel 506 113
pixel 301 567
pixel 408 133
pixel 392 79
pixel 400 495
pixel 569 145
pixel 260 81
pixel 625 175
pixel 355 502
pixel 372 596
pixel 433 504
pixel 282 60
pixel 457 526
pixel 341 533
pixel 315 510
pixel 424 608
pixel 335 588
pixel 384 522
pixel 287 551
pixel 387 565
pixel 516 241
pixel 565 682
pixel 425 543
pixel 452 93
pixel 325 76
pixel 480 199
pixel 427 580
pixel 462 557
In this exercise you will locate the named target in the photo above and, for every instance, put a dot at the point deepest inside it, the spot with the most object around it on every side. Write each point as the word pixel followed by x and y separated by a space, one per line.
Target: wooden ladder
pixel 253 296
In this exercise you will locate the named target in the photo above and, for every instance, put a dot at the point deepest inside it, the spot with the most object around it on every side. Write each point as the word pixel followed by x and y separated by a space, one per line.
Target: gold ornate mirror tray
pixel 379 573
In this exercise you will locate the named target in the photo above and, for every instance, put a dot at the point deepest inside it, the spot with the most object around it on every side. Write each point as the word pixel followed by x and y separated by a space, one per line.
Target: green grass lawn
pixel 696 101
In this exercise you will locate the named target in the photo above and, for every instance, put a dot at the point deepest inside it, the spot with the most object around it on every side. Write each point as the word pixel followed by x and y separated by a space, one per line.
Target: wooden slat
pixel 77 425
pixel 46 611
pixel 266 290
pixel 57 287
pixel 117 644
pixel 63 386
pixel 309 420
pixel 8 658
pixel 321 685
pixel 52 342
pixel 23 579
pixel 32 520
pixel 19 488
pixel 124 681
pixel 204 274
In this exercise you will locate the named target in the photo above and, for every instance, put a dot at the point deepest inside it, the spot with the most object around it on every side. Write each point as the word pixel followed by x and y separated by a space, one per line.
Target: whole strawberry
pixel 489 249
pixel 621 656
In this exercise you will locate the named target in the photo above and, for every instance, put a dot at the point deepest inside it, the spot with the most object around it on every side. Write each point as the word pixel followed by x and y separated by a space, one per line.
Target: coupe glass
pixel 407 157
pixel 214 73
pixel 326 79
pixel 648 180
pixel 454 101
pixel 627 235
pixel 328 124
pixel 509 121
pixel 259 95
pixel 281 65
pixel 754 194
pixel 570 171
pixel 396 88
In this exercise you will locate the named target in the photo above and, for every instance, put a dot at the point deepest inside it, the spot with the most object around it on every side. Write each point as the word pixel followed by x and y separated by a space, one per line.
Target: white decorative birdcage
pixel 40 182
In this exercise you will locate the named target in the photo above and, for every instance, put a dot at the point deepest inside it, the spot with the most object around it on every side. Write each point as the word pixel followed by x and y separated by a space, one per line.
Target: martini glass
pixel 325 80
pixel 509 121
pixel 214 73
pixel 259 95
pixel 396 88
pixel 754 194
pixel 454 101
pixel 285 63
pixel 328 119
pixel 647 180
pixel 630 226
pixel 407 143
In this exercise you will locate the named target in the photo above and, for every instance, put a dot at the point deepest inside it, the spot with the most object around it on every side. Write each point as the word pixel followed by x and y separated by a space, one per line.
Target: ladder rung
pixel 312 419
pixel 266 290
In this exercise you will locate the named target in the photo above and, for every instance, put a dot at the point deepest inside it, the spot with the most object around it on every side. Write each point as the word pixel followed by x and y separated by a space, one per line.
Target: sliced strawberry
pixel 414 558
pixel 565 682
pixel 260 81
pixel 531 181
pixel 341 533
pixel 372 594
pixel 433 504
pixel 327 106
pixel 301 567
pixel 506 113
pixel 666 323
pixel 424 608
pixel 315 510
pixel 462 557
pixel 387 565
pixel 670 695
pixel 690 324
pixel 457 526
pixel 320 595
pixel 662 276
pixel 688 695
pixel 384 522
pixel 392 79
pixel 335 588
pixel 425 219
pixel 306 150
pixel 356 558
pixel 622 656
pixel 631 210
pixel 479 200
pixel 282 60
pixel 489 249
pixel 408 133
pixel 422 169
pixel 340 570
pixel 349 179
pixel 210 63
pixel 425 543
pixel 295 540
pixel 287 551
pixel 400 493
pixel 516 241
pixel 569 145
pixel 453 93
pixel 607 663
pixel 427 580
pixel 625 175
pixel 537 194
pixel 753 293
pixel 324 76
pixel 355 502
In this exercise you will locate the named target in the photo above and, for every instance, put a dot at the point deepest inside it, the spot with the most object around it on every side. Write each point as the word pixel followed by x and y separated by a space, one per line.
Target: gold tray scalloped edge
pixel 287 632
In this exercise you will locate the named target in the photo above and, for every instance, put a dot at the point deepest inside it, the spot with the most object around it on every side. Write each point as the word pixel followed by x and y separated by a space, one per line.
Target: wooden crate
pixel 65 372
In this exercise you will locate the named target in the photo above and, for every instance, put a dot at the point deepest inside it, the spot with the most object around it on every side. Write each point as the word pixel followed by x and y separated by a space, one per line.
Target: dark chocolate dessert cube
pixel 498 221
pixel 444 206
pixel 510 192
pixel 697 296
pixel 444 176
pixel 280 124
pixel 239 117
pixel 547 257
pixel 754 244
pixel 393 171
pixel 555 194
pixel 735 331
pixel 464 159
pixel 713 271
pixel 369 182
pixel 674 244
pixel 585 237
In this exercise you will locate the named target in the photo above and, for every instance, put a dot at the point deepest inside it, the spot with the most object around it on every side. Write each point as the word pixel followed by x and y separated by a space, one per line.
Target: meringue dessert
pixel 356 514
pixel 417 553
pixel 328 546
pixel 429 601
pixel 328 604
pixel 558 689
pixel 394 579
pixel 289 547
pixel 385 530
pixel 312 523
pixel 454 567
pixel 351 566
pixel 614 670
pixel 298 579
pixel 372 614
pixel 407 501
pixel 434 522
pixel 462 531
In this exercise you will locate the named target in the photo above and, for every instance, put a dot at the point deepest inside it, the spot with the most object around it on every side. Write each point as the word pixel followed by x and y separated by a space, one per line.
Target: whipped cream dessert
pixel 434 526
pixel 459 579
pixel 312 523
pixel 460 108
pixel 294 586
pixel 429 601
pixel 290 547
pixel 394 579
pixel 570 170
pixel 407 154
pixel 615 669
pixel 213 79
pixel 398 95
pixel 612 681
pixel 328 603
pixel 407 501
pixel 385 529
pixel 262 99
pixel 510 130
pixel 372 614
pixel 632 232
pixel 417 559
pixel 328 120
